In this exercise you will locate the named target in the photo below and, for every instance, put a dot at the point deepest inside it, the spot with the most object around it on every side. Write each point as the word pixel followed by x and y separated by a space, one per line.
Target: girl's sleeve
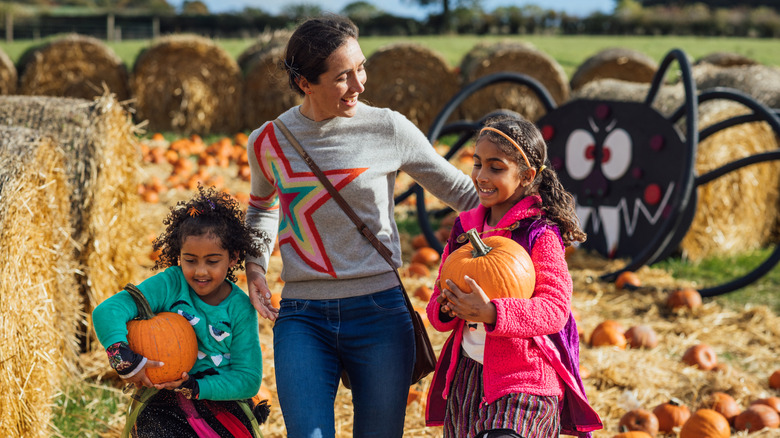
pixel 242 379
pixel 263 211
pixel 111 316
pixel 548 309
pixel 429 169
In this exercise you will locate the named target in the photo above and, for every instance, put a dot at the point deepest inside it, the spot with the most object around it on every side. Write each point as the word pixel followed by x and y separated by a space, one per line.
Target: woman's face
pixel 336 94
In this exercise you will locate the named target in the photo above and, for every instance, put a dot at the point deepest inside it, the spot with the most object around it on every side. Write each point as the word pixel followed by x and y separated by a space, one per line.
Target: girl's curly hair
pixel 210 212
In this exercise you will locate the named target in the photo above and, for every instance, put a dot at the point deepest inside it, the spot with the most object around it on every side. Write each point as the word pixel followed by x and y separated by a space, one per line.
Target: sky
pixel 407 8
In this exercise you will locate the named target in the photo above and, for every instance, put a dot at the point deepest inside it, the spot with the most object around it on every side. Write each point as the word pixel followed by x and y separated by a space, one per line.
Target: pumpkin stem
pixel 480 248
pixel 144 309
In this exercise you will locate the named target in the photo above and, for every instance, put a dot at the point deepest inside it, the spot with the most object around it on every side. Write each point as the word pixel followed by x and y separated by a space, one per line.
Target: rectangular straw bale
pixel 39 312
pixel 102 157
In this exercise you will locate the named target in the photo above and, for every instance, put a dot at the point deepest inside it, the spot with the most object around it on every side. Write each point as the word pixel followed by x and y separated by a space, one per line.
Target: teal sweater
pixel 228 335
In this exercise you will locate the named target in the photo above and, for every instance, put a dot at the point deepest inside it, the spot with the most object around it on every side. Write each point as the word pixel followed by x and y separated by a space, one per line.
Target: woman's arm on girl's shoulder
pixel 242 379
pixel 548 309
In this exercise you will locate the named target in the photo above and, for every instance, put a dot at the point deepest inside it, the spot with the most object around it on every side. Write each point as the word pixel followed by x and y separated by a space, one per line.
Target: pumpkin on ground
pixel 500 266
pixel 723 404
pixel 684 298
pixel 608 333
pixel 757 417
pixel 639 419
pixel 628 280
pixel 706 423
pixel 671 414
pixel 774 380
pixel 166 337
pixel 701 356
pixel 641 336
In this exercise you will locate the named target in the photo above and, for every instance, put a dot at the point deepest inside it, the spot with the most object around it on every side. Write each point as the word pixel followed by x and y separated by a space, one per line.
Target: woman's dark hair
pixel 311 44
pixel 557 203
pixel 210 212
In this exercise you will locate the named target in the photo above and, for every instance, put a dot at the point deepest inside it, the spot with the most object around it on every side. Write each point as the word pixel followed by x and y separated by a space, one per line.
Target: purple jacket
pixel 540 355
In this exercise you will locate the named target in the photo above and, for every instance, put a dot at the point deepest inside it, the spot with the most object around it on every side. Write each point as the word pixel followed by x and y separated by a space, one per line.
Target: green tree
pixel 195 7
pixel 447 6
pixel 300 11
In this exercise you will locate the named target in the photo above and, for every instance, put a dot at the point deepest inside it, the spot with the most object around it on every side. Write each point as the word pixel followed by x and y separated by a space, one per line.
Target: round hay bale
pixel 615 63
pixel 759 81
pixel 73 66
pixel 38 310
pixel 102 159
pixel 668 99
pixel 8 75
pixel 411 79
pixel 513 56
pixel 266 41
pixel 187 84
pixel 726 59
pixel 267 91
pixel 738 211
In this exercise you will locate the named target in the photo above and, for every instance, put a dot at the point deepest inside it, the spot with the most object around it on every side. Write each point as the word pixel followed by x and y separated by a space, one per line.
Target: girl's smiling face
pixel 337 90
pixel 205 263
pixel 497 179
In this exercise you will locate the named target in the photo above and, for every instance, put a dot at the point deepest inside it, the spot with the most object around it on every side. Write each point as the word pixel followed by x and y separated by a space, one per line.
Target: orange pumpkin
pixel 639 419
pixel 706 423
pixel 774 380
pixel 633 434
pixel 684 298
pixel 166 337
pixel 772 402
pixel 723 404
pixel 757 417
pixel 628 280
pixel 641 336
pixel 427 256
pixel 608 333
pixel 500 266
pixel 671 414
pixel 702 356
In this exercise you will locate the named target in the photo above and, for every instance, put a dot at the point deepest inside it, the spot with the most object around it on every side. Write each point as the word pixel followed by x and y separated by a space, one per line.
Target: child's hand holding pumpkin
pixel 473 306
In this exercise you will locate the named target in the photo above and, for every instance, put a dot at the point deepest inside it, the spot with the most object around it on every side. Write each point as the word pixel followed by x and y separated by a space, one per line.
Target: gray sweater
pixel 323 253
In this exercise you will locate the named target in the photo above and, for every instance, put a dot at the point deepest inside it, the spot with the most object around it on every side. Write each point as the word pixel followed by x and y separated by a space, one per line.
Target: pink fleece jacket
pixel 513 362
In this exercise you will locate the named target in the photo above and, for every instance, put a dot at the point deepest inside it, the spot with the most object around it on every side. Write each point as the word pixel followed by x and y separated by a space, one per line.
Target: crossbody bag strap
pixel 384 251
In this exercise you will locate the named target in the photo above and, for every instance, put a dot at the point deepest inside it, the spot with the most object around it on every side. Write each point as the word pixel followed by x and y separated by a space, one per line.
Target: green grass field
pixel 569 51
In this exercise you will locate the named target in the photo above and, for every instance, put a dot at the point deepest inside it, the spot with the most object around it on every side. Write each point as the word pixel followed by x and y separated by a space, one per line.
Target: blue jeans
pixel 370 336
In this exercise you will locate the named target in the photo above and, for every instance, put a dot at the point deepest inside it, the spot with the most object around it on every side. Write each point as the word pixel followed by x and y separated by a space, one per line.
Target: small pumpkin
pixel 701 356
pixel 641 336
pixel 628 280
pixel 427 256
pixel 772 402
pixel 166 337
pixel 500 266
pixel 706 423
pixel 774 380
pixel 757 417
pixel 684 298
pixel 723 404
pixel 417 270
pixel 639 419
pixel 671 414
pixel 423 292
pixel 633 434
pixel 608 333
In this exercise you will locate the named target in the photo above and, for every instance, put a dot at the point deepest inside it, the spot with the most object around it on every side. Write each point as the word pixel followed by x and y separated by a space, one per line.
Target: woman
pixel 342 307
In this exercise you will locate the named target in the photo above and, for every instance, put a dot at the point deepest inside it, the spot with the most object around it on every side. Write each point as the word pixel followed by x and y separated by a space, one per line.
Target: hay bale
pixel 738 211
pixel 267 91
pixel 102 159
pixel 8 75
pixel 411 79
pixel 726 59
pixel 668 99
pixel 187 84
pixel 38 309
pixel 73 66
pixel 615 63
pixel 518 57
pixel 759 81
pixel 266 41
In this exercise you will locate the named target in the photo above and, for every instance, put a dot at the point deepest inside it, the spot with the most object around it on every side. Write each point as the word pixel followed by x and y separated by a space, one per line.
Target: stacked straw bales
pixel 738 211
pixel 267 92
pixel 726 59
pixel 187 84
pixel 73 66
pixel 8 74
pixel 512 56
pixel 102 160
pixel 265 42
pixel 411 79
pixel 39 308
pixel 759 81
pixel 667 100
pixel 615 63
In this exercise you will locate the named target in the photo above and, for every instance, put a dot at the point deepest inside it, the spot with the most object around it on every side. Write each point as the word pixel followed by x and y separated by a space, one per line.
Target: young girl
pixel 515 370
pixel 204 242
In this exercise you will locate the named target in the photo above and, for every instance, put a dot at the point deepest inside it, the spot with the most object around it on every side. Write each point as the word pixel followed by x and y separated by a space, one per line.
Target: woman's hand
pixel 140 379
pixel 259 293
pixel 474 306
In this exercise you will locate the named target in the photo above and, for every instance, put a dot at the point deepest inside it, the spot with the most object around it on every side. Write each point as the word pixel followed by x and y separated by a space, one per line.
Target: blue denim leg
pixel 370 336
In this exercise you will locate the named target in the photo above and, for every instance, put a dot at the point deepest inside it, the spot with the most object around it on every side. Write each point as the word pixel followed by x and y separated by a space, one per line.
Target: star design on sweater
pixel 300 194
